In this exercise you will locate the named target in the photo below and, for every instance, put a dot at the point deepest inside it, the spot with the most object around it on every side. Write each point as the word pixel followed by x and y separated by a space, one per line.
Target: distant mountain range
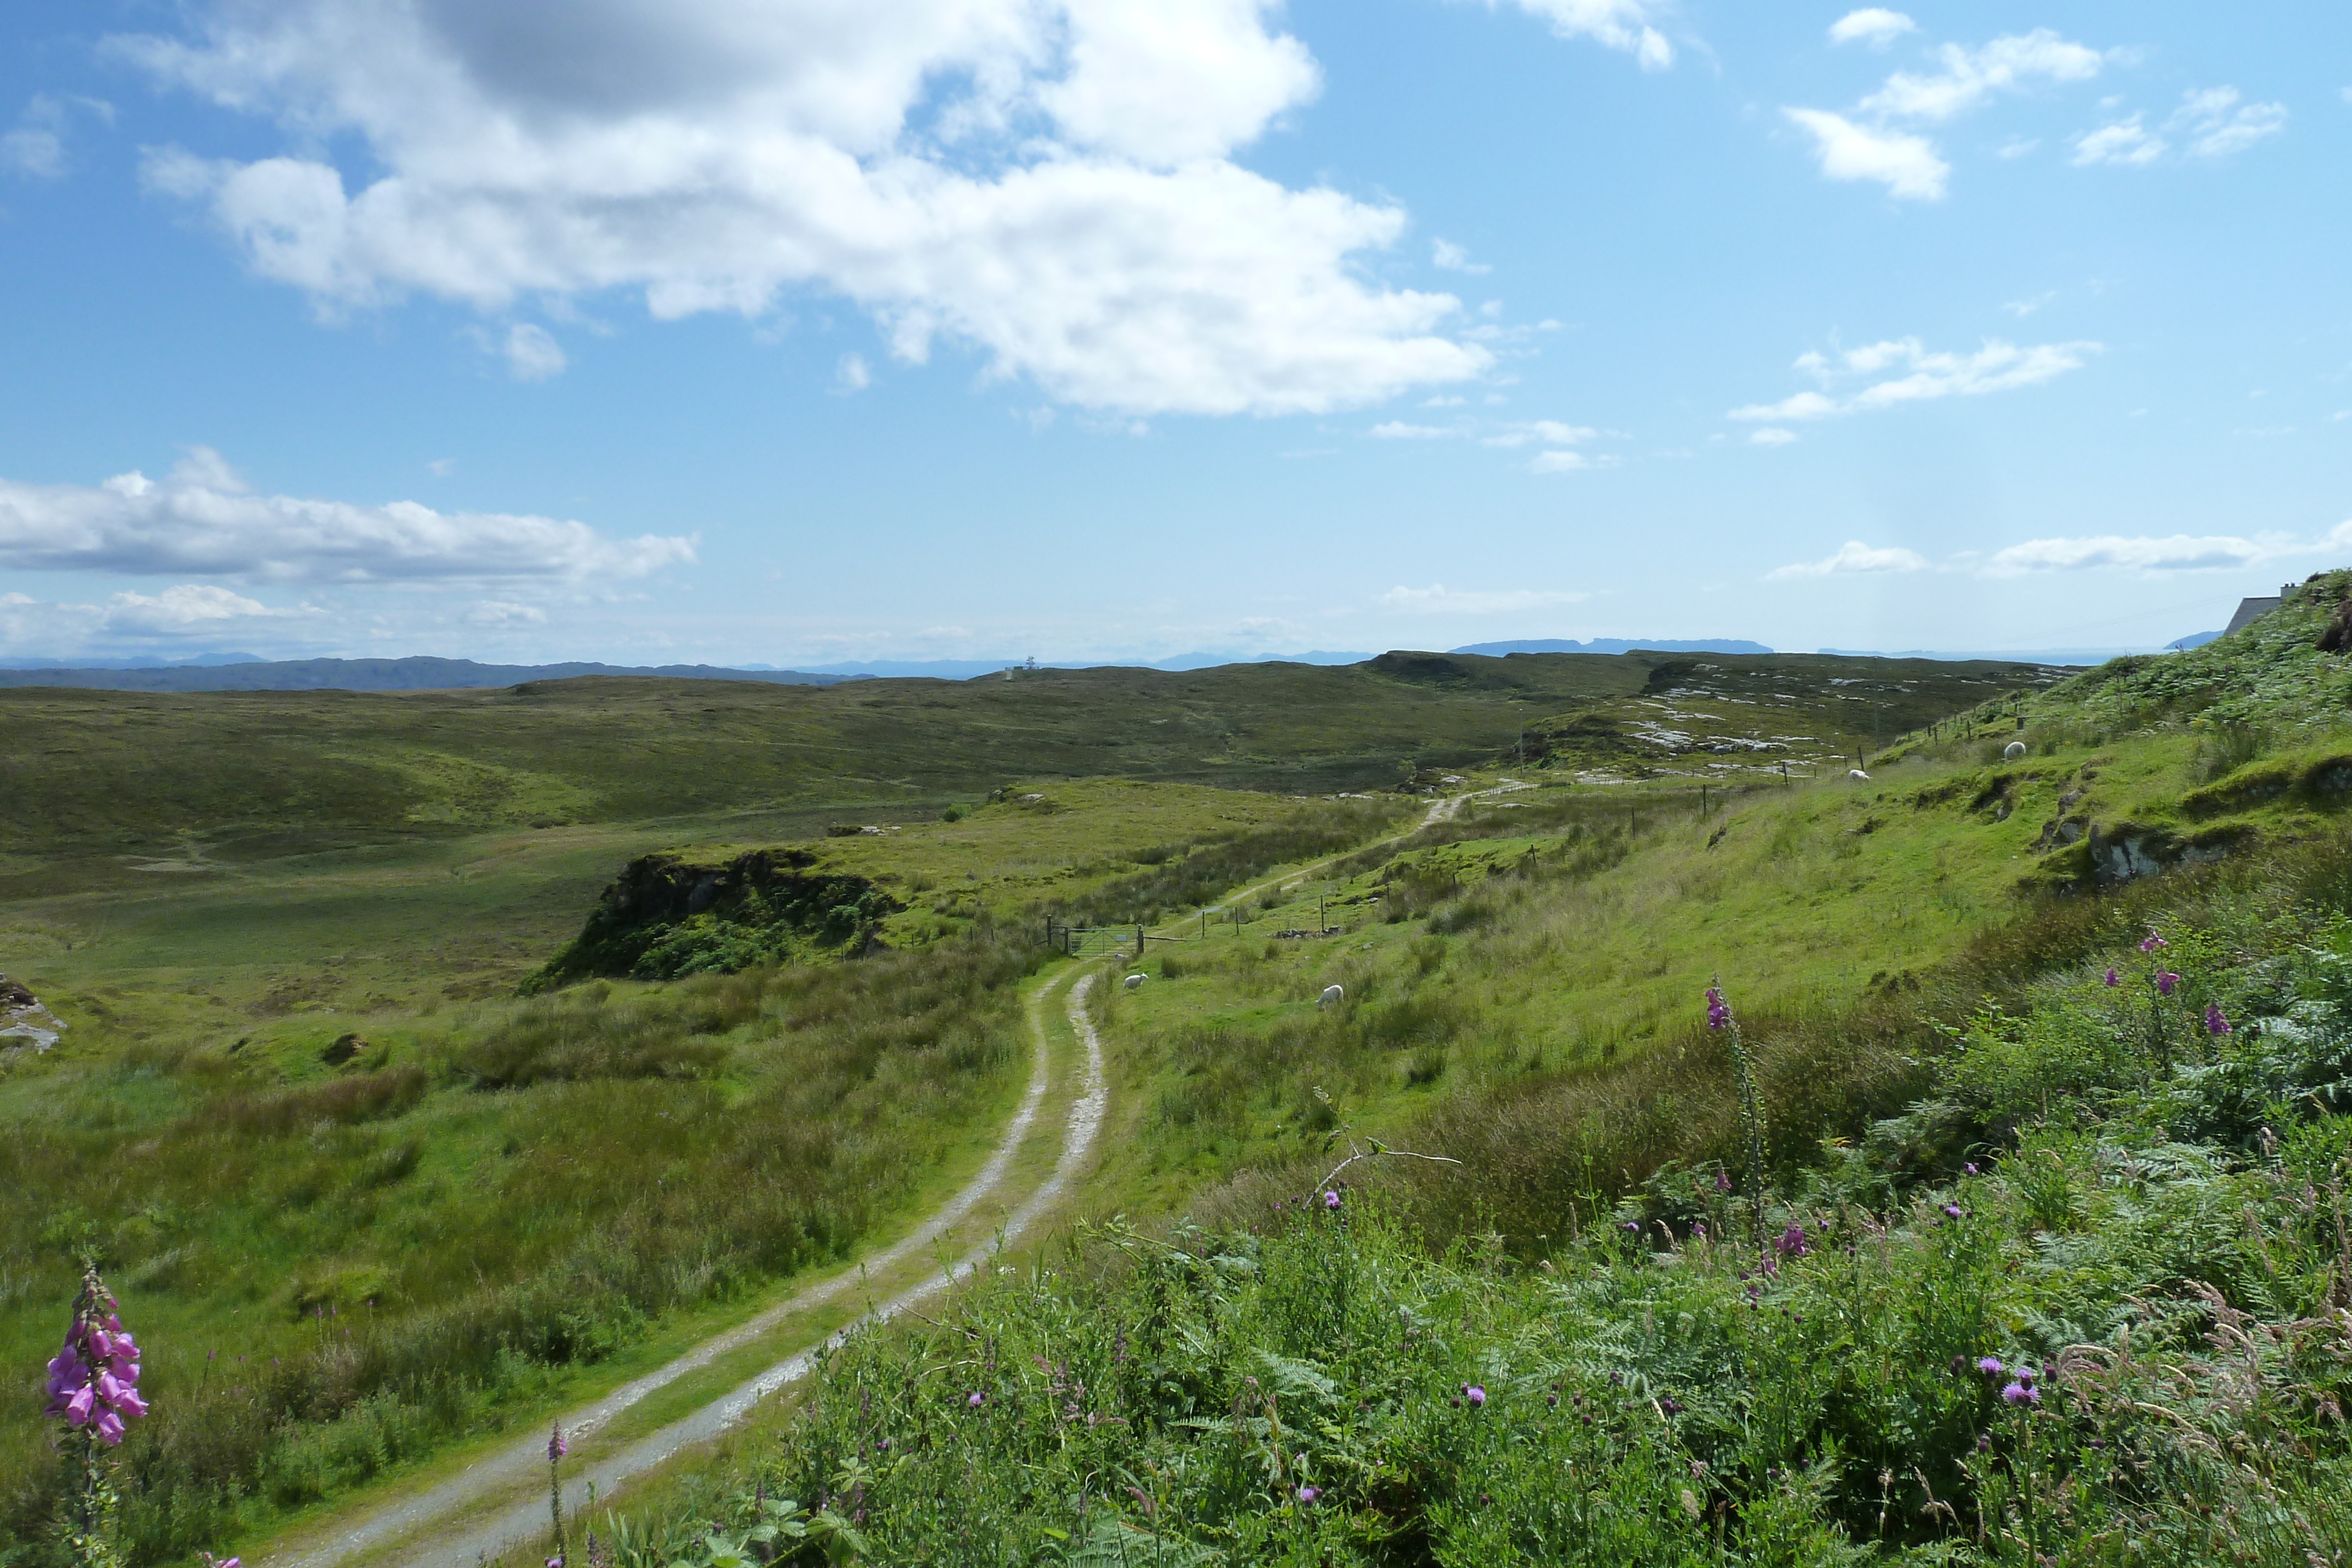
pixel 1618 645
pixel 414 674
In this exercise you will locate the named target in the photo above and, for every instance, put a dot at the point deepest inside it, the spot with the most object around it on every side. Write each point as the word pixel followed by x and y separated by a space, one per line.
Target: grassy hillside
pixel 2031 1249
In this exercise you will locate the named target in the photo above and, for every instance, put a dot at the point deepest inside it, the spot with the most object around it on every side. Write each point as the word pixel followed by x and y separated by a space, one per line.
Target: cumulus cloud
pixel 1874 26
pixel 1454 258
pixel 1853 557
pixel 1869 143
pixel 2175 552
pixel 1398 430
pixel 2212 122
pixel 1771 436
pixel 36 146
pixel 1908 165
pixel 1547 431
pixel 1049 183
pixel 503 615
pixel 1969 77
pixel 1564 463
pixel 1438 598
pixel 1926 376
pixel 1627 25
pixel 202 519
pixel 532 354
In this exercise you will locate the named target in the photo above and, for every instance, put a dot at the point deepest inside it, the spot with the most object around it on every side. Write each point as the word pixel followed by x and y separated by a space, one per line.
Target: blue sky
pixel 795 331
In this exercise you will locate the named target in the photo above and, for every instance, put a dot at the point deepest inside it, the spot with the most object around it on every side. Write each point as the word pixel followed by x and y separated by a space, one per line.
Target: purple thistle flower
pixel 1951 1211
pixel 976 1399
pixel 1969 1169
pixel 2164 981
pixel 1331 1198
pixel 1309 1494
pixel 2020 1394
pixel 1991 1366
pixel 1475 1393
pixel 2215 1023
pixel 2114 978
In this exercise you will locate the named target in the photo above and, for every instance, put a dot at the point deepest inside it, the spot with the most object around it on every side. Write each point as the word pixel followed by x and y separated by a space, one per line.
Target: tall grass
pixel 419 1252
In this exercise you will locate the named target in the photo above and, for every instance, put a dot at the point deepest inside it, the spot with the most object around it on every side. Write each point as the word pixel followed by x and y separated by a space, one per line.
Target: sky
pixel 798 331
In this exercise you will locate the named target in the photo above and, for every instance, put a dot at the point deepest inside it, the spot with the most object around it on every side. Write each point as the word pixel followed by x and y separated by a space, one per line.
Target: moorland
pixel 435 1062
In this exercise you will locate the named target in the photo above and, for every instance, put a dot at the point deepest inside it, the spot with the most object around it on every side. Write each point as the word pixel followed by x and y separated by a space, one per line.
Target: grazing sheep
pixel 1332 996
pixel 1858 775
pixel 2012 751
pixel 1134 980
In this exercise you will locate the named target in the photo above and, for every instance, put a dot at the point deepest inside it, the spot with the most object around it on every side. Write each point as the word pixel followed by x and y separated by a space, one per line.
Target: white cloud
pixel 502 616
pixel 1997 366
pixel 1771 436
pixel 175 611
pixel 853 375
pixel 1563 463
pixel 202 519
pixel 2021 309
pixel 1047 181
pixel 1627 25
pixel 1853 557
pixel 37 147
pixel 2125 141
pixel 441 468
pixel 2212 122
pixel 532 354
pixel 1906 165
pixel 1969 77
pixel 1398 430
pixel 2217 125
pixel 2017 147
pixel 1454 258
pixel 1874 26
pixel 1439 600
pixel 2176 552
pixel 1546 431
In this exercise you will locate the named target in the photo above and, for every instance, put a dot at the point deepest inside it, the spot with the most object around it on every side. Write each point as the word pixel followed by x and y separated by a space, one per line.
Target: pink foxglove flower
pixel 93 1380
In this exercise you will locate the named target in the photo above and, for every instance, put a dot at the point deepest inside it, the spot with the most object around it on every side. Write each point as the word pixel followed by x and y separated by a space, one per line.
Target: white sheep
pixel 2012 751
pixel 1132 981
pixel 1332 996
pixel 1857 775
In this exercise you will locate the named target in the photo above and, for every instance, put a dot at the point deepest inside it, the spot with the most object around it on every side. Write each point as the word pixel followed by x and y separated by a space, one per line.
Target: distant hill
pixel 1618 645
pixel 417 674
pixel 966 669
pixel 2005 656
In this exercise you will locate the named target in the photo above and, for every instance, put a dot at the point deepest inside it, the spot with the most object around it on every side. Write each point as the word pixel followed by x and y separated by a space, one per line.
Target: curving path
pixel 498 1502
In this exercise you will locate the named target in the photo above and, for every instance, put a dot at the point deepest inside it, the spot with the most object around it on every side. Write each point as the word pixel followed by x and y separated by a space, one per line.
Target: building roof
pixel 2252 609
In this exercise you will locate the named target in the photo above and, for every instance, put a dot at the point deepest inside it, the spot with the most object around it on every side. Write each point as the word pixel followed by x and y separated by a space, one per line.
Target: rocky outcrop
pixel 25 1023
pixel 668 915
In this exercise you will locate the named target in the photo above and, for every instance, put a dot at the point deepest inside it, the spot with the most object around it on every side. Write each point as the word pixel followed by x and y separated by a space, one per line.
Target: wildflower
pixel 213 1562
pixel 556 1445
pixel 1968 1169
pixel 1951 1211
pixel 1722 1180
pixel 2114 978
pixel 1632 1227
pixel 2020 1394
pixel 1309 1494
pixel 1670 1405
pixel 1718 1011
pixel 2164 981
pixel 976 1399
pixel 1790 1242
pixel 1991 1366
pixel 93 1380
pixel 2153 943
pixel 1475 1394
pixel 2215 1023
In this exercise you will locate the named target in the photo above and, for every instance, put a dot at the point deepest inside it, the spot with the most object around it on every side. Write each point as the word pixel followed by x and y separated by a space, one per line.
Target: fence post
pixel 1138 942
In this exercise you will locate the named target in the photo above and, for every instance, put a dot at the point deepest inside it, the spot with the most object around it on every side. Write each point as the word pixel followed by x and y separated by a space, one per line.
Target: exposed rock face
pixel 24 1021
